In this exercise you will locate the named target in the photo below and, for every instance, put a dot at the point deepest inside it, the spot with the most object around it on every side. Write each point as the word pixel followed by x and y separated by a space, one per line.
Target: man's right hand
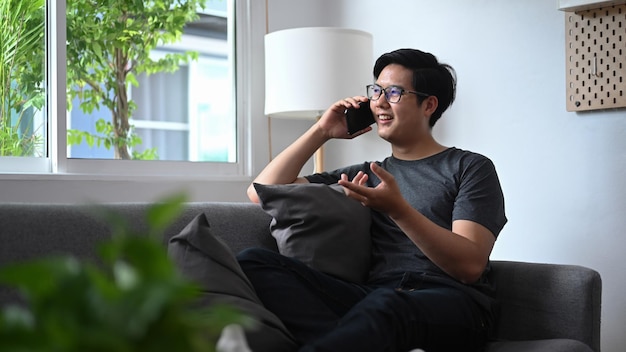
pixel 333 121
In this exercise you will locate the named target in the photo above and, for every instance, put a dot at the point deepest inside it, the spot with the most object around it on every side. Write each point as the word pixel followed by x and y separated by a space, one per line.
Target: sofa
pixel 543 307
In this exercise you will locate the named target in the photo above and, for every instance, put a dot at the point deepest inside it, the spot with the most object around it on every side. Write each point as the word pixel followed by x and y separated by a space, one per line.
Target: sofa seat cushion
pixel 550 345
pixel 320 226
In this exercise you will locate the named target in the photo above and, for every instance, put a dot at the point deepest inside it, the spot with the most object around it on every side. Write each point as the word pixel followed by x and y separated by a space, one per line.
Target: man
pixel 437 211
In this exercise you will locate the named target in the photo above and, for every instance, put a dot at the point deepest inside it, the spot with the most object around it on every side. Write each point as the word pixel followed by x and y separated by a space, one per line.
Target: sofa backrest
pixel 30 231
pixel 538 301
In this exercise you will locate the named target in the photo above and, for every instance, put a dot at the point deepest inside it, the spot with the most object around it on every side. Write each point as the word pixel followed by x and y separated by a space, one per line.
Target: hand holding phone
pixel 359 118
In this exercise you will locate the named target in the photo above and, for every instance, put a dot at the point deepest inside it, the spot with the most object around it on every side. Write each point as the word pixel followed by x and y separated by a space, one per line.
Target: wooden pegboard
pixel 596 58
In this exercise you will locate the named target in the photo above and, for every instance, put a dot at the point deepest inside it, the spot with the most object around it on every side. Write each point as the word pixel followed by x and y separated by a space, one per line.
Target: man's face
pixel 402 122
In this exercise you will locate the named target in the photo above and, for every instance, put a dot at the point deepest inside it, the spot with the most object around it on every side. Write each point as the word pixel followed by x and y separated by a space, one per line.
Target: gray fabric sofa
pixel 543 307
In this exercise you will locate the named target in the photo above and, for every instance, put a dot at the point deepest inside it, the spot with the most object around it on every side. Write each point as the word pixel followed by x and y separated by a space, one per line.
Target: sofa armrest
pixel 547 301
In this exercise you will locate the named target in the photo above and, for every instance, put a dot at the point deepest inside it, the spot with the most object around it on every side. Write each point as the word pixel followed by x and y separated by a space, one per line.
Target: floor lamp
pixel 307 69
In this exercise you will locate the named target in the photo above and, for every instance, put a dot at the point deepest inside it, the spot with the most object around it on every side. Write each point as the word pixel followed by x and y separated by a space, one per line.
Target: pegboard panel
pixel 596 58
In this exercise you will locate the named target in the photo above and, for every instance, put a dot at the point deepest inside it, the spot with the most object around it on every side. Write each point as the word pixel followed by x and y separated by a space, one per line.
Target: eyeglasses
pixel 392 93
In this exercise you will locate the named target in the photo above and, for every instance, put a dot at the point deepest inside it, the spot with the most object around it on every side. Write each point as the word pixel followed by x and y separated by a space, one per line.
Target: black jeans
pixel 328 314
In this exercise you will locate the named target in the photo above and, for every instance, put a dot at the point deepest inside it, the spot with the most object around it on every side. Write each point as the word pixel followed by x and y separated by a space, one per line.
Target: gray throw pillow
pixel 320 226
pixel 206 260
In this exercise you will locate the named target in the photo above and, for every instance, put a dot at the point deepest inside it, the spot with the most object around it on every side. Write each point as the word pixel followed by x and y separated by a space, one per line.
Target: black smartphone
pixel 358 119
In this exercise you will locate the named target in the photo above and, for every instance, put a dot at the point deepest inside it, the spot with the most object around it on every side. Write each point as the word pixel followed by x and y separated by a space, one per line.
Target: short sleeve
pixel 480 198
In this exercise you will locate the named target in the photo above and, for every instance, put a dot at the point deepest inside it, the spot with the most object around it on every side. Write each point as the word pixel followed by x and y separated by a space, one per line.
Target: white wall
pixel 563 173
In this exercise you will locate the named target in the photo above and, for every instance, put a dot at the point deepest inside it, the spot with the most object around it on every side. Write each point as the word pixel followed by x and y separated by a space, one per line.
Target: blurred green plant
pixel 134 300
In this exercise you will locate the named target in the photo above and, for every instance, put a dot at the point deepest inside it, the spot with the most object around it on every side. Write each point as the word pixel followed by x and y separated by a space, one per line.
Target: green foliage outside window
pixel 21 76
pixel 108 45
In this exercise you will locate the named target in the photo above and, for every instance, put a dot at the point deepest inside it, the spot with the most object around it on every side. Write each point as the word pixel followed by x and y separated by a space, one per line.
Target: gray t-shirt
pixel 452 185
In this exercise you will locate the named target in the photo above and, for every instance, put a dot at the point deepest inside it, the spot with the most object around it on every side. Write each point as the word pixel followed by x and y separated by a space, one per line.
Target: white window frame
pixel 249 78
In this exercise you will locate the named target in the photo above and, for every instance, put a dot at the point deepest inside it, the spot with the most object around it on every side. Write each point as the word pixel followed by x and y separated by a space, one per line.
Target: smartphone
pixel 358 119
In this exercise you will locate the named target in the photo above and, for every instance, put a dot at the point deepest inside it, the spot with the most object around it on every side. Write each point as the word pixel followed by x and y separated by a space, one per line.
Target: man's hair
pixel 429 76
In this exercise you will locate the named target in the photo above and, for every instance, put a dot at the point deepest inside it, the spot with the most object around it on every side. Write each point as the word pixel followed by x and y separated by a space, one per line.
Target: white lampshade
pixel 308 69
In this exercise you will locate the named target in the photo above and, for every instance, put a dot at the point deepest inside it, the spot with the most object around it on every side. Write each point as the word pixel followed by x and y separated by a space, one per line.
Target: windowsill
pixel 120 177
pixel 92 188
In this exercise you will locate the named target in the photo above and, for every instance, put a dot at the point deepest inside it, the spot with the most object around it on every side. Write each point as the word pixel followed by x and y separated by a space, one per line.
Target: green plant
pixel 102 137
pixel 134 300
pixel 109 44
pixel 14 142
pixel 21 76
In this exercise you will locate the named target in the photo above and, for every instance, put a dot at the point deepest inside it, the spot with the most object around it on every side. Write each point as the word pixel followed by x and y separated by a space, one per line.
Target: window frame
pixel 250 28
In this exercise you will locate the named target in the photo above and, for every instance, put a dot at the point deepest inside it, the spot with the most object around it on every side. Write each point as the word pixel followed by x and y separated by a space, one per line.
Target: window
pixel 188 115
pixel 189 119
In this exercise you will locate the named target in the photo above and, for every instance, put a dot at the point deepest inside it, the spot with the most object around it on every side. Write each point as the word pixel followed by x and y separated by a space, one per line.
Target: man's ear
pixel 430 104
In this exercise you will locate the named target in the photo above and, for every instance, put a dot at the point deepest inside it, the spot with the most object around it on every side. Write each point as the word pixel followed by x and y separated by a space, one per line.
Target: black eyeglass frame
pixel 384 92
